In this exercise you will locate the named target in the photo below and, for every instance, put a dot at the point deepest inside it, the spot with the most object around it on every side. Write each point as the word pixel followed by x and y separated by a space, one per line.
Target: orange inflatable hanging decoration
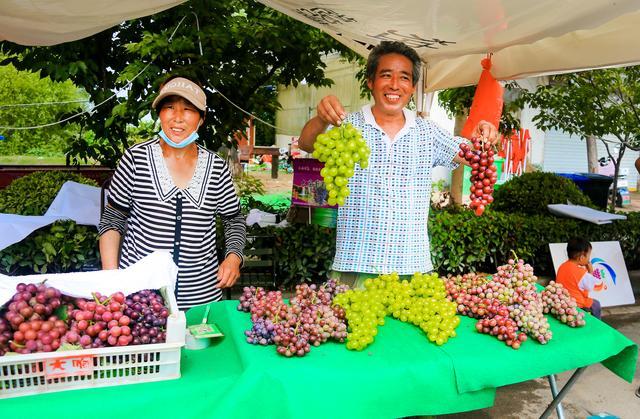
pixel 487 105
pixel 487 101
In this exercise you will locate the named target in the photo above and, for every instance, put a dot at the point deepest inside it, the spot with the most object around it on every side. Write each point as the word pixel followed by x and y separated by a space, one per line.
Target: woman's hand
pixel 229 271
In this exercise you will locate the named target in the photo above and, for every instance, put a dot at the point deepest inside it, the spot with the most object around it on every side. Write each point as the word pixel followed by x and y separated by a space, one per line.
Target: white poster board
pixel 608 266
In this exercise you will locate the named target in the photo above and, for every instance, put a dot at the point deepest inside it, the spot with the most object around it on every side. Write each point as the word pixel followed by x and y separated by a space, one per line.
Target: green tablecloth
pixel 401 374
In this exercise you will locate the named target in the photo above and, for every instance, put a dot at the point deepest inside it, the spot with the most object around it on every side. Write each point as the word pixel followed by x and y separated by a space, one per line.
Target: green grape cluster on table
pixel 340 149
pixel 421 302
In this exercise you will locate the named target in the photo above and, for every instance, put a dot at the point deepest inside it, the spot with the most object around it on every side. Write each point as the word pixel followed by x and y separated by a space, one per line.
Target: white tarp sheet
pixel 75 201
pixel 154 271
pixel 584 213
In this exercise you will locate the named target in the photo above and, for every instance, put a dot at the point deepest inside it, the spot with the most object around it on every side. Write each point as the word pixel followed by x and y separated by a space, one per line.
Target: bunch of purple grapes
pixel 261 333
pixel 330 289
pixel 249 297
pixel 289 342
pixel 148 314
pixel 305 295
pixel 260 303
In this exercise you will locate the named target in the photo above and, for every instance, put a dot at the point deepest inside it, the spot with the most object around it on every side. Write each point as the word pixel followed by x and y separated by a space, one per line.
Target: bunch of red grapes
pixel 99 323
pixel 476 297
pixel 39 318
pixel 484 175
pixel 309 320
pixel 559 303
pixel 509 306
pixel 29 321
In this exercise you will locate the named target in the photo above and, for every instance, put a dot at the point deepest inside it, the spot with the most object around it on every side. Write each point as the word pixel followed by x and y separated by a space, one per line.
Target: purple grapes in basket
pixel 149 315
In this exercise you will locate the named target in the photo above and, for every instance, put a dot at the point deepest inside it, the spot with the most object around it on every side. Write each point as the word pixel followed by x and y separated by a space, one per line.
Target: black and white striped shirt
pixel 153 214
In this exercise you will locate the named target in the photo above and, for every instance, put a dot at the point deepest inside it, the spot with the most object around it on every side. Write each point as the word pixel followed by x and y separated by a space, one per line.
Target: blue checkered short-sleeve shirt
pixel 382 227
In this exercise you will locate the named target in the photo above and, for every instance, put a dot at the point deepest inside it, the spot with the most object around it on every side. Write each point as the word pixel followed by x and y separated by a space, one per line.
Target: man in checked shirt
pixel 382 228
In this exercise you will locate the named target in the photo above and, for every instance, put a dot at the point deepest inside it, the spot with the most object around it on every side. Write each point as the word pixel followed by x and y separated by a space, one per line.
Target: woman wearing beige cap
pixel 166 195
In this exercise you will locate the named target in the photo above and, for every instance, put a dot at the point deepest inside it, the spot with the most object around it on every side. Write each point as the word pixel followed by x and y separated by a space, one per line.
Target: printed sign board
pixel 608 266
pixel 308 187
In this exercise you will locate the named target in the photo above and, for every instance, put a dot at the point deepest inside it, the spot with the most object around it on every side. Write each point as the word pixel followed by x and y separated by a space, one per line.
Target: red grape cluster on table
pixel 559 303
pixel 308 320
pixel 484 174
pixel 509 307
pixel 39 318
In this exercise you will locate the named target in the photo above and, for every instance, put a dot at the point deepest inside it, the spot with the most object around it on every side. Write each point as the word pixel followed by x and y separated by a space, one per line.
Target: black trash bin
pixel 594 185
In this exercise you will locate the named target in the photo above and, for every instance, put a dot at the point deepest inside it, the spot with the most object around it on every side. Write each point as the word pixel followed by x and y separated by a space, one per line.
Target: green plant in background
pixel 32 194
pixel 532 192
pixel 63 246
pixel 280 208
pixel 460 242
pixel 247 185
pixel 305 252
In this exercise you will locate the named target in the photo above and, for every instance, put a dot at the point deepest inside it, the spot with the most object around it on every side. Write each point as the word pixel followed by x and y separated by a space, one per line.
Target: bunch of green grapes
pixel 340 149
pixel 421 302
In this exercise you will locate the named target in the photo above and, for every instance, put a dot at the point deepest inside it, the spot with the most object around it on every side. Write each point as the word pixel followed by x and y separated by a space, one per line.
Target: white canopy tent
pixel 526 38
pixel 50 22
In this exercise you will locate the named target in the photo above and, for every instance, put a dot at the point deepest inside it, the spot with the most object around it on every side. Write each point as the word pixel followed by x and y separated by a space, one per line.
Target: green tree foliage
pixel 20 88
pixel 595 103
pixel 530 194
pixel 234 48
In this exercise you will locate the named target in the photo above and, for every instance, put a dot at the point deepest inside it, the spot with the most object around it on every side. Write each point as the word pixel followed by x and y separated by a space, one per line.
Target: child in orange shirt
pixel 576 275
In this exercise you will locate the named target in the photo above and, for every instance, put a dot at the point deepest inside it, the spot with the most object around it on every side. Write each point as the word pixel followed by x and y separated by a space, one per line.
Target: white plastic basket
pixel 45 372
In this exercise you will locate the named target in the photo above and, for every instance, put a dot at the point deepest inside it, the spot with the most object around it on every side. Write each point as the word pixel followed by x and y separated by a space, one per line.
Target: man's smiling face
pixel 393 85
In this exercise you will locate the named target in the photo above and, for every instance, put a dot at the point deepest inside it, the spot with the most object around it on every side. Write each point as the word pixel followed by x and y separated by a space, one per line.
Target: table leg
pixel 554 392
pixel 557 399
pixel 275 162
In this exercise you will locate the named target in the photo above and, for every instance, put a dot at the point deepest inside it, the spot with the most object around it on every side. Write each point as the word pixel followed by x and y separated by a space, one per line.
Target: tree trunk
pixel 592 154
pixel 614 190
pixel 232 157
pixel 458 174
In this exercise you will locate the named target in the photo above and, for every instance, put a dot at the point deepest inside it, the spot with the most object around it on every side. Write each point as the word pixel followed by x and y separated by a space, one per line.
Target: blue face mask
pixel 183 144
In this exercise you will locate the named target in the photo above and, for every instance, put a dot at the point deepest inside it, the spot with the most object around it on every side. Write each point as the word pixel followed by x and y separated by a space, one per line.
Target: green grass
pixel 32 160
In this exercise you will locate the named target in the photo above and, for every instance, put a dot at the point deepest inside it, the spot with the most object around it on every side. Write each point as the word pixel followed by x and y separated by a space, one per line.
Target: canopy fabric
pixel 526 38
pixel 50 22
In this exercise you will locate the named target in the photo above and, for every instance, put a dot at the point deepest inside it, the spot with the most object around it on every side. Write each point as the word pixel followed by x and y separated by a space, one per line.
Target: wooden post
pixel 275 163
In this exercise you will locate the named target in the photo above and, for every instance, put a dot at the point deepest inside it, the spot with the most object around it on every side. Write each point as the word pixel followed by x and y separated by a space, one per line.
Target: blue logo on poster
pixel 601 269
